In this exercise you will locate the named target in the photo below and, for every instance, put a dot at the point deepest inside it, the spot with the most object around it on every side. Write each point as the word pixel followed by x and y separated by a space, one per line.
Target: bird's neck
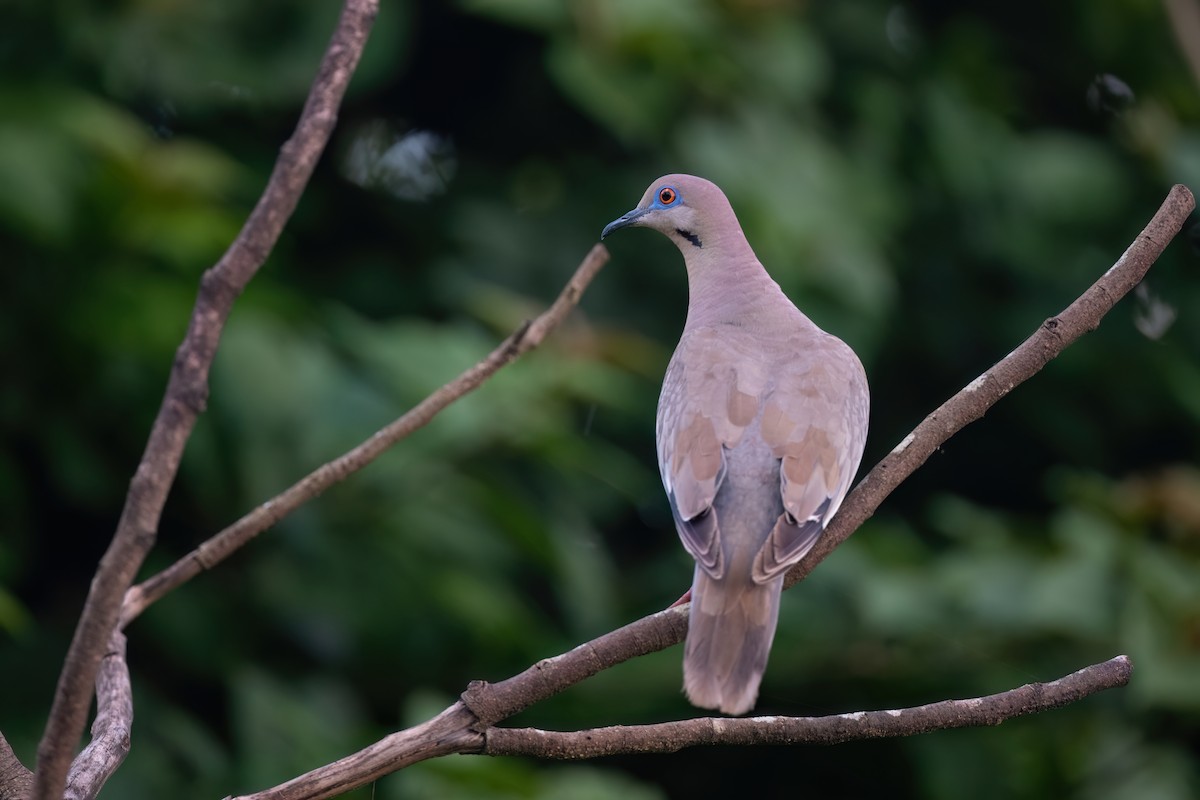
pixel 729 286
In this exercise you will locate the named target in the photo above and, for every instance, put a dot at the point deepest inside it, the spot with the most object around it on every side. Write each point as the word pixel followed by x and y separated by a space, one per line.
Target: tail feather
pixel 730 628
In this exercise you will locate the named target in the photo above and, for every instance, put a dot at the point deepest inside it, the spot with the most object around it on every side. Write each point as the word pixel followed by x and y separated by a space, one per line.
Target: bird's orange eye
pixel 666 195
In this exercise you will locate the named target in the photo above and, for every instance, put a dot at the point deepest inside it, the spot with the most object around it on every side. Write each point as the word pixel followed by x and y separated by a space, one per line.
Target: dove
pixel 760 428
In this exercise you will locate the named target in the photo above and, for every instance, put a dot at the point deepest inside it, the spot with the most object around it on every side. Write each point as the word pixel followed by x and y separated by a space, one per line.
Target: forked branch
pixel 458 730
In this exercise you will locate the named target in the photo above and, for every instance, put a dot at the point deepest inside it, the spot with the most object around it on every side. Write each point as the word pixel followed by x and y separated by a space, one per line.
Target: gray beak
pixel 629 219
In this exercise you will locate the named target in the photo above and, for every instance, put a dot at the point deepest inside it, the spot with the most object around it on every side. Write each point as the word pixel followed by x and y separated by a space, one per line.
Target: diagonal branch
pixel 224 544
pixel 492 702
pixel 972 401
pixel 186 395
pixel 483 705
pixel 668 737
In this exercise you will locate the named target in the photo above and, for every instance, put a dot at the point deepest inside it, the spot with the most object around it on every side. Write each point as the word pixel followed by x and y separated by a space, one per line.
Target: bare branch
pixel 224 544
pixel 111 730
pixel 972 402
pixel 186 395
pixel 15 780
pixel 668 737
pixel 483 705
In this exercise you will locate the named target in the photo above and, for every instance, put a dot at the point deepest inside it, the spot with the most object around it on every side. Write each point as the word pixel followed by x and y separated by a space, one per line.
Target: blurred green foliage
pixel 928 180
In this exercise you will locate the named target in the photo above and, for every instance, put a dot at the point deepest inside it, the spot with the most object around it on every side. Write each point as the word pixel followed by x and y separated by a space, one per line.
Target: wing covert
pixel 711 393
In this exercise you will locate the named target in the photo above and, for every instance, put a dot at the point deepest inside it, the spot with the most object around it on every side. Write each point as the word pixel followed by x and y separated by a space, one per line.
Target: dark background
pixel 927 181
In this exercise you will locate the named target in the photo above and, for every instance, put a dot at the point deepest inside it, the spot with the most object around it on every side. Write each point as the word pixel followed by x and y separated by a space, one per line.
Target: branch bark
pixel 15 780
pixel 470 721
pixel 110 732
pixel 186 395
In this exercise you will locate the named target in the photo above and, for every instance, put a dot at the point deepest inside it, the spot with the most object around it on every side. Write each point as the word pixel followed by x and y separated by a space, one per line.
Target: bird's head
pixel 690 211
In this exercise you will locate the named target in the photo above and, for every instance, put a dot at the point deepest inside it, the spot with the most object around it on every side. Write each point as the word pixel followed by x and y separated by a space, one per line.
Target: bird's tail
pixel 730 629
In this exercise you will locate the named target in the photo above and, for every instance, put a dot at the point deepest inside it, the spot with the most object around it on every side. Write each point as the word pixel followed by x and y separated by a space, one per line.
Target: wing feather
pixel 815 421
pixel 810 398
pixel 711 393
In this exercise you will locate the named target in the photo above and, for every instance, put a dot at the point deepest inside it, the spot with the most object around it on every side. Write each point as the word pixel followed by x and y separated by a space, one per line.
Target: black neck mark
pixel 691 237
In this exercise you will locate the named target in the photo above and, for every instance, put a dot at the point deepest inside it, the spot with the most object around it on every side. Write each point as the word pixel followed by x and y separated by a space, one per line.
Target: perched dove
pixel 761 425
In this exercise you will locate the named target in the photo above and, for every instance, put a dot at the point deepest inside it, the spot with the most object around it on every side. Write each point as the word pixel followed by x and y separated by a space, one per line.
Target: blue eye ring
pixel 666 197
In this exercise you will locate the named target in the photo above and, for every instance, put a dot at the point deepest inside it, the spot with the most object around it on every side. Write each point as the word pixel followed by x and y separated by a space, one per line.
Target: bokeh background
pixel 929 180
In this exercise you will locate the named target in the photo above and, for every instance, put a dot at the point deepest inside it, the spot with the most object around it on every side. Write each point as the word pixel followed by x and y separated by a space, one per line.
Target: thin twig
pixel 186 395
pixel 483 704
pixel 224 544
pixel 668 737
pixel 111 730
